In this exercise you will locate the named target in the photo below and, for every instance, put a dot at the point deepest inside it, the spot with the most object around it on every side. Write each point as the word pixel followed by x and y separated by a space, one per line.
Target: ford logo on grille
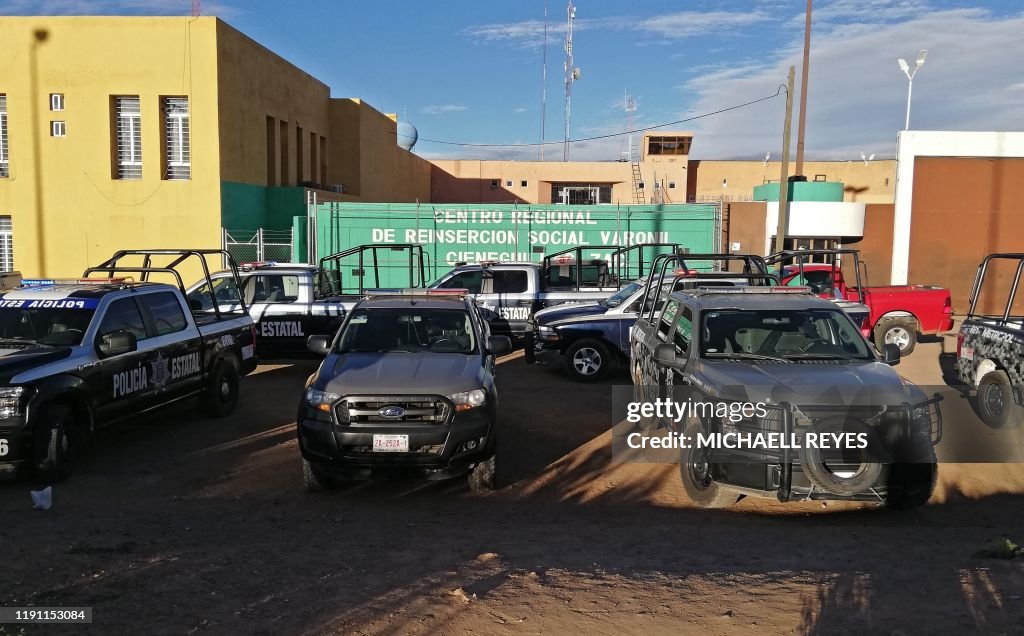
pixel 392 412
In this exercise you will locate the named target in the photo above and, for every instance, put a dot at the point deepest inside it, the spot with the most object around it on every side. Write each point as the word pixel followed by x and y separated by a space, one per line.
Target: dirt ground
pixel 179 524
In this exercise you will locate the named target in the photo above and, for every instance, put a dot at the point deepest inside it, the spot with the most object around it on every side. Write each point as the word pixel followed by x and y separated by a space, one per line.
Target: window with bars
pixel 4 165
pixel 177 147
pixel 128 116
pixel 6 244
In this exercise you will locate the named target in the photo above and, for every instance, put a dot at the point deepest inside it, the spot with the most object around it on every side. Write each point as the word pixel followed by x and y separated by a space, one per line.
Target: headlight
pixel 547 333
pixel 10 401
pixel 321 400
pixel 468 399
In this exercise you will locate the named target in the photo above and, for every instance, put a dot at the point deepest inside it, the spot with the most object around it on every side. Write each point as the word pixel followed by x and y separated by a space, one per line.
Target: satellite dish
pixel 576 73
pixel 767 156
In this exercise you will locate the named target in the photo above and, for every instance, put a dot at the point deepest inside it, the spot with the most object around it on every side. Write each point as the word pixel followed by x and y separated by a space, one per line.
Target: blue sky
pixel 471 71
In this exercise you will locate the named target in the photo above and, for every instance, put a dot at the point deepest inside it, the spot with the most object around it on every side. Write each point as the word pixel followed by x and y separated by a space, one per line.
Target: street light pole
pixel 910 79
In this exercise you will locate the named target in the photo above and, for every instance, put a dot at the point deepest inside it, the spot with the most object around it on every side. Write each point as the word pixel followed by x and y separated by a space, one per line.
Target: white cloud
pixel 442 109
pixel 857 96
pixel 686 24
pixel 519 110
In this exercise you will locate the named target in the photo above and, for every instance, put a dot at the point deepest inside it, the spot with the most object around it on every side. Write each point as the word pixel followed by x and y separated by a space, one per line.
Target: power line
pixel 780 91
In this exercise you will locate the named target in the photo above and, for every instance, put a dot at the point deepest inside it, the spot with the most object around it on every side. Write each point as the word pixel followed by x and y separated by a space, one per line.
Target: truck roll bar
pixel 800 258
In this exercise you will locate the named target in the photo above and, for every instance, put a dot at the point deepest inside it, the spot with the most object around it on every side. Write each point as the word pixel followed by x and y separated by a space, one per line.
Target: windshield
pixel 60 327
pixel 408 329
pixel 814 333
pixel 623 294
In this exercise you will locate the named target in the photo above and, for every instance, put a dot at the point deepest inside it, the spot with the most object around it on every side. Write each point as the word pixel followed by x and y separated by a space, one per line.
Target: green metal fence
pixel 451 234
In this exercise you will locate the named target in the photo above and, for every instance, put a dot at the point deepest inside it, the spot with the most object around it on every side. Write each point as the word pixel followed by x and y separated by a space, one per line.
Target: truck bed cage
pixel 754 270
pixel 800 258
pixel 979 281
pixel 415 265
pixel 578 261
pixel 623 262
pixel 113 266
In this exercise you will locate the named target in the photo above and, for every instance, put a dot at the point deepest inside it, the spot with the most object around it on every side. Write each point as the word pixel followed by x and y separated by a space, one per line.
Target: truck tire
pixel 587 360
pixel 994 402
pixel 820 475
pixel 695 473
pixel 901 332
pixel 911 485
pixel 481 478
pixel 314 480
pixel 51 446
pixel 221 395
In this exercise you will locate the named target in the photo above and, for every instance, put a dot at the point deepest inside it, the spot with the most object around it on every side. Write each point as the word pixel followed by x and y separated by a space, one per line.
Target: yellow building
pixel 145 132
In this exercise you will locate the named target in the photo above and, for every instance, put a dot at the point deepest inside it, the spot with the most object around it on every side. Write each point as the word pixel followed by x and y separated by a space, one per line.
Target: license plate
pixel 391 443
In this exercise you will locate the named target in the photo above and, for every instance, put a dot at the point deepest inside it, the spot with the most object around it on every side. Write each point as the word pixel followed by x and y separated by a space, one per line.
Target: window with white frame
pixel 58 129
pixel 4 165
pixel 6 245
pixel 56 102
pixel 177 149
pixel 128 114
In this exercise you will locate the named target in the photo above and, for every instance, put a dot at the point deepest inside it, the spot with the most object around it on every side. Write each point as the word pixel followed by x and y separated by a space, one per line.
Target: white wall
pixel 816 219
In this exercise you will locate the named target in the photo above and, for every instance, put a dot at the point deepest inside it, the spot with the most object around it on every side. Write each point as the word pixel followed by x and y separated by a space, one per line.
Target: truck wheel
pixel 695 472
pixel 911 485
pixel 52 448
pixel 481 478
pixel 901 332
pixel 221 395
pixel 841 482
pixel 994 402
pixel 314 480
pixel 587 360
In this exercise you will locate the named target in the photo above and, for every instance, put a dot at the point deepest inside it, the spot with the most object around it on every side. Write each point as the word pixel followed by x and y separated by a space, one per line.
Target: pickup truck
pixel 897 314
pixel 590 339
pixel 80 354
pixel 779 395
pixel 990 350
pixel 292 301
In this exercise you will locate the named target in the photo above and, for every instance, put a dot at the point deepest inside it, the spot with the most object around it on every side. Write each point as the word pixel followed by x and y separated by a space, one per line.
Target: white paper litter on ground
pixel 42 499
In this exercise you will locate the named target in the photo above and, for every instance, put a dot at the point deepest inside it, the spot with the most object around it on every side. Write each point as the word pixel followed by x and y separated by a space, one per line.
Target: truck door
pixel 121 384
pixel 276 304
pixel 648 335
pixel 513 299
pixel 175 347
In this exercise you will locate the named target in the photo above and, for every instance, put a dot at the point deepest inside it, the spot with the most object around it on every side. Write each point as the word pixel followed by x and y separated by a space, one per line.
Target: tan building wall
pixel 876 246
pixel 735 180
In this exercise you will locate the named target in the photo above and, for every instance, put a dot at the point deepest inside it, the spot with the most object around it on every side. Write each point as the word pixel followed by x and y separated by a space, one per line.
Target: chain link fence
pixel 247 246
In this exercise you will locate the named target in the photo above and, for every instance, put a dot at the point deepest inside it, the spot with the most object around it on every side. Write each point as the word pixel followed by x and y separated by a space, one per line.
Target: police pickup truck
pixel 406 387
pixel 292 301
pixel 801 406
pixel 990 344
pixel 512 292
pixel 79 354
pixel 590 339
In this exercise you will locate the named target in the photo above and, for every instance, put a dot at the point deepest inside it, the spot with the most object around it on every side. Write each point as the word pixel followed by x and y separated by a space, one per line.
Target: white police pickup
pixel 79 354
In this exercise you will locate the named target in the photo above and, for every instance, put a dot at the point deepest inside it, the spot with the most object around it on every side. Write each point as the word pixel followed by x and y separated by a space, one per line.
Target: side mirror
pixel 320 345
pixel 116 343
pixel 665 354
pixel 499 345
pixel 891 354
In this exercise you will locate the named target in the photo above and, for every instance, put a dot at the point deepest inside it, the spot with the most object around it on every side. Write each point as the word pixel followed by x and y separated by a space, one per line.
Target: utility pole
pixel 780 233
pixel 803 93
pixel 544 84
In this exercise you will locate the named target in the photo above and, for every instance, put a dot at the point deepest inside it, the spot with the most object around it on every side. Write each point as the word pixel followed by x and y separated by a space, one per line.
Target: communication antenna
pixel 572 73
pixel 767 156
pixel 544 84
pixel 867 159
pixel 630 104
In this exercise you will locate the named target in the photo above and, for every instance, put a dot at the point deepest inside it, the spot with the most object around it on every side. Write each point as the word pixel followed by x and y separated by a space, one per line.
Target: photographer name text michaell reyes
pixel 749 441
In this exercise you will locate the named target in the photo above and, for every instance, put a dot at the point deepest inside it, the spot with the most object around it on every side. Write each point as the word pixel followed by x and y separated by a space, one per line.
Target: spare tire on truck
pixel 846 471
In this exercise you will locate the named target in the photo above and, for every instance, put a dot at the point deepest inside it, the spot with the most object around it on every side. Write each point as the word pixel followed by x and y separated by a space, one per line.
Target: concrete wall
pixel 744 223
pixel 963 209
pixel 735 180
pixel 67 210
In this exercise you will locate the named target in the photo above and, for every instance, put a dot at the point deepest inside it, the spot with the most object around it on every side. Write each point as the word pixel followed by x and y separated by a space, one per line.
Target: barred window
pixel 6 244
pixel 177 149
pixel 4 165
pixel 129 137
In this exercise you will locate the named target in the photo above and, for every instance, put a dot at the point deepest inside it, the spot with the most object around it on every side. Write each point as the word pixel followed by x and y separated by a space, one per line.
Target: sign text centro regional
pixel 473 233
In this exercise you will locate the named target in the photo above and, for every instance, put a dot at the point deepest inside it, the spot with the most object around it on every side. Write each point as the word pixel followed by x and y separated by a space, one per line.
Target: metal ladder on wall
pixel 638 193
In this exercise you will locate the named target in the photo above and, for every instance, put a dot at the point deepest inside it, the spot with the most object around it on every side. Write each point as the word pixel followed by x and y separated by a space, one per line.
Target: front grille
pixel 371 409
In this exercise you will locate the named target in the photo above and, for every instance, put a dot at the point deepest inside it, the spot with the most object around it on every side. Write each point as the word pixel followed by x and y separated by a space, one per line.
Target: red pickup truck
pixel 898 313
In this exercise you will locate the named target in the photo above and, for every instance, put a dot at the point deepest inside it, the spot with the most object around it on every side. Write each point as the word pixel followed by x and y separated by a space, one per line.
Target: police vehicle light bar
pixel 248 267
pixel 50 282
pixel 755 290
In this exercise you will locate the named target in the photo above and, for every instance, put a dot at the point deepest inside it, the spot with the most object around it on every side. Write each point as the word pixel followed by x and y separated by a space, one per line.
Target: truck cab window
pixel 272 288
pixel 201 299
pixel 471 280
pixel 684 331
pixel 667 318
pixel 166 312
pixel 510 281
pixel 123 315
